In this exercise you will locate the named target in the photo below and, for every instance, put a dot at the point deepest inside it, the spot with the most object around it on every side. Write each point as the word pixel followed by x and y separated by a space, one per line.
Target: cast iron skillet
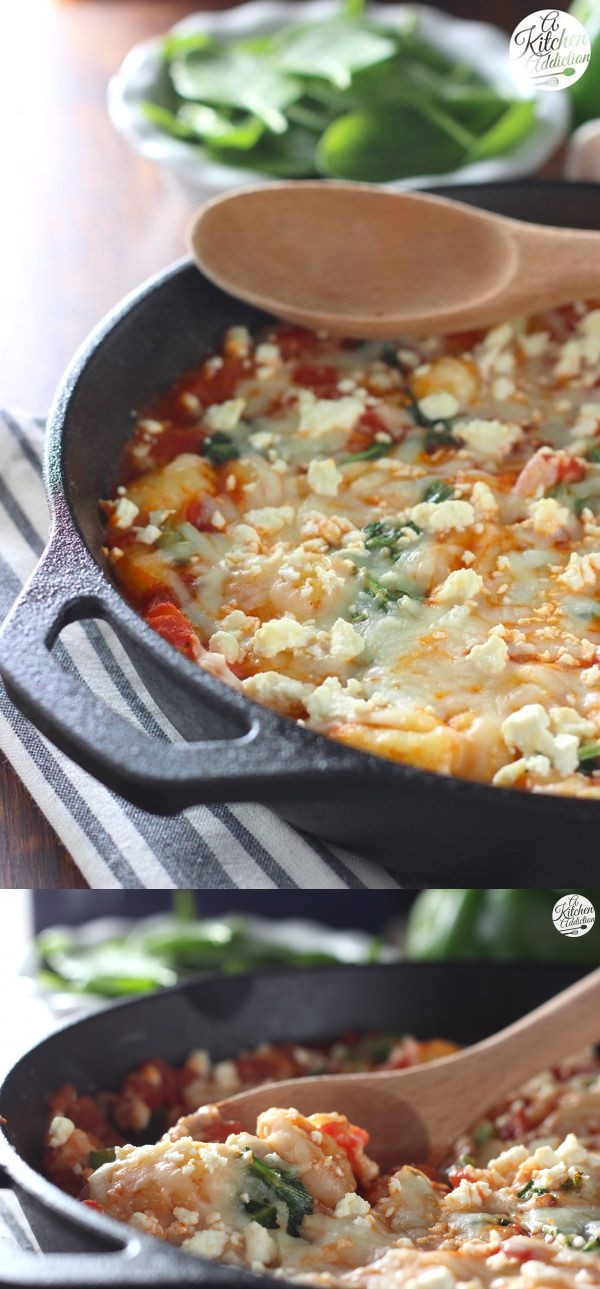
pixel 236 750
pixel 463 1001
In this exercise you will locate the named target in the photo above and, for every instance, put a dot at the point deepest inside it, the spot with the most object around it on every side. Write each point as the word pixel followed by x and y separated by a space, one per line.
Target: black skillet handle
pixel 139 1264
pixel 162 777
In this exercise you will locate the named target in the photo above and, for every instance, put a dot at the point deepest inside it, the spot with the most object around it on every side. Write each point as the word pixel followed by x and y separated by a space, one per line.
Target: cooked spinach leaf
pixel 266 1185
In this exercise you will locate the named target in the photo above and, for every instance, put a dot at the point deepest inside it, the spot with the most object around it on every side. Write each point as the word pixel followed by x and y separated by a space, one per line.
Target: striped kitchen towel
pixel 113 843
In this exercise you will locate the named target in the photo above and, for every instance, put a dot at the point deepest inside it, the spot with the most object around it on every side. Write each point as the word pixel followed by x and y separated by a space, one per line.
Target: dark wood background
pixel 82 221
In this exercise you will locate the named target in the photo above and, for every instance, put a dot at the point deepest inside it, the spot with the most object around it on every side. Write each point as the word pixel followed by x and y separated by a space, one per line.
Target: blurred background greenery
pixel 167 937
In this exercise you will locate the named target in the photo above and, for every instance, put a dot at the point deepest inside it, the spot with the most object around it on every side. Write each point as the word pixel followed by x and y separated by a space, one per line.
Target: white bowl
pixel 486 46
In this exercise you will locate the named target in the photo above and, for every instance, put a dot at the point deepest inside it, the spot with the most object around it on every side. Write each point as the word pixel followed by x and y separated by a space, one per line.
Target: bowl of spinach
pixel 398 95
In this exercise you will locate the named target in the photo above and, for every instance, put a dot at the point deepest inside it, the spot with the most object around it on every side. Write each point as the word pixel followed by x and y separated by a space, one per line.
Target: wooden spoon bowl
pixel 415 1114
pixel 363 262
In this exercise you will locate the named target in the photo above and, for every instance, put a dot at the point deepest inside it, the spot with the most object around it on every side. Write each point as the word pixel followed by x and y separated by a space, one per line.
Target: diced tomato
pixel 222 1129
pixel 91 1203
pixel 352 1139
pixel 200 512
pixel 293 342
pixel 173 626
pixel 219 385
pixel 321 378
pixel 165 447
pixel 261 1067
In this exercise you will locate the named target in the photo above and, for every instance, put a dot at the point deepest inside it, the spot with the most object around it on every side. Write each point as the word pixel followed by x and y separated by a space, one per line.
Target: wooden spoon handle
pixel 559 1027
pixel 553 266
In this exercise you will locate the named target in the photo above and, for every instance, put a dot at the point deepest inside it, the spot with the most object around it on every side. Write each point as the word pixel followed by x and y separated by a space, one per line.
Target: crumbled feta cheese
pixel 588 420
pixel 199 1061
pixel 346 643
pixel 261 1248
pixel 150 426
pixel 509 774
pixel 582 572
pixel 351 1205
pixel 224 416
pixel 207 1244
pixel 261 439
pixel 268 355
pixel 571 1151
pixel 59 1131
pixel 484 501
pixel 469 1195
pixel 244 537
pixel 324 477
pixel 124 512
pixel 534 343
pixel 142 1222
pixel 528 731
pixel 322 415
pixel 439 407
pixel 549 519
pixel 279 634
pixel 432 1278
pixel 491 657
pixel 488 438
pixel 444 515
pixel 276 690
pixel 567 721
pixel 237 343
pixel 550 1178
pixel 270 519
pixel 459 586
pixel 502 388
pixel 186 1216
pixel 190 402
pixel 148 535
pixel 332 701
pixel 218 520
pixel 226 643
pixel 226 1076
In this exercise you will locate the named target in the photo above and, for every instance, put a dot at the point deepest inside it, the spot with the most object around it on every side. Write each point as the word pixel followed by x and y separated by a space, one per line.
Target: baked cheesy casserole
pixel 397 545
pixel 515 1206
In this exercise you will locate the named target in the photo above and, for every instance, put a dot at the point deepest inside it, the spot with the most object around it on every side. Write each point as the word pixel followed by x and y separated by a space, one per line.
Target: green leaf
pixel 97 1158
pixel 288 156
pixel 332 50
pixel 353 8
pixel 517 121
pixel 232 77
pixel 589 751
pixel 372 453
pixel 437 491
pixel 213 127
pixel 170 122
pixel 265 1183
pixel 219 447
pixel 386 144
pixel 175 44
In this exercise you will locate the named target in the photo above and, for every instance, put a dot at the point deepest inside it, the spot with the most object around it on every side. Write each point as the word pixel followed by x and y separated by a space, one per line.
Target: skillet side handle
pixel 158 776
pixel 139 1264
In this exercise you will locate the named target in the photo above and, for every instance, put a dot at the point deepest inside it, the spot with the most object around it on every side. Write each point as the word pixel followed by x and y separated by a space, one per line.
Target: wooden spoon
pixel 415 1114
pixel 363 262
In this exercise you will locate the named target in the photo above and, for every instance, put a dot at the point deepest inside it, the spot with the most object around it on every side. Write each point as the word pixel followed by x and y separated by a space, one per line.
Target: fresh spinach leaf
pixel 506 133
pixel 234 78
pixel 386 144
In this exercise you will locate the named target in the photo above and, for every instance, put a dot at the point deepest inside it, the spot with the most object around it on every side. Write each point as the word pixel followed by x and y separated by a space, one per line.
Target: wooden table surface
pixel 82 221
